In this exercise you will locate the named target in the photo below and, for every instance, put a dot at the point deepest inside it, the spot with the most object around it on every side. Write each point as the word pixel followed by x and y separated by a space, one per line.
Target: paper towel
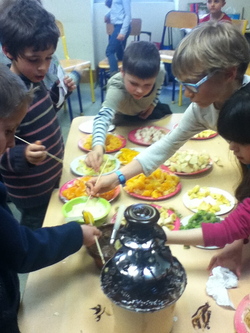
pixel 218 283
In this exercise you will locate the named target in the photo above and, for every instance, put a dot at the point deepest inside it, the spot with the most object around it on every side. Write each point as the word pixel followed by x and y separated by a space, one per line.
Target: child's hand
pixel 104 184
pixel 35 153
pixel 94 158
pixel 69 83
pixel 146 113
pixel 230 257
pixel 89 234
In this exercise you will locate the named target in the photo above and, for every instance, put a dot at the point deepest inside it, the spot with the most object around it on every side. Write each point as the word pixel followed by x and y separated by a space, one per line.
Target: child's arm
pixel 230 256
pixel 101 124
pixel 89 234
pixel 107 183
pixel 185 237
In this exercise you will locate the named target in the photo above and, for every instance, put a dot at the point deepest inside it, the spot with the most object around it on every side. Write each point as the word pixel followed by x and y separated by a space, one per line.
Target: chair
pixel 69 65
pixel 241 24
pixel 180 20
pixel 103 65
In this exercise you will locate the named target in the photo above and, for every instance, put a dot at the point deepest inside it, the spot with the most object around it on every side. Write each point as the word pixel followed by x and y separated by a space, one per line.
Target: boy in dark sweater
pixel 29 36
pixel 21 249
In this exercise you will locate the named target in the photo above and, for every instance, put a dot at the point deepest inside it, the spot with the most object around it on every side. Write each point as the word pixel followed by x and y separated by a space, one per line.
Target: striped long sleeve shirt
pixel 31 185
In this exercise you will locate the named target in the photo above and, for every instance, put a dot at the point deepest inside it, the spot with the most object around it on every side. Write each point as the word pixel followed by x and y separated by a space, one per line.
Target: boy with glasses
pixel 210 62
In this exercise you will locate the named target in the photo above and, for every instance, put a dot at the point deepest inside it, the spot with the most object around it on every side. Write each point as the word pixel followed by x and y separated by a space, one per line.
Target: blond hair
pixel 211 46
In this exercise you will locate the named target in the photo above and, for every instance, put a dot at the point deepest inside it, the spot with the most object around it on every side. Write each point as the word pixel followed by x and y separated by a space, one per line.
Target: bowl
pixel 108 250
pixel 98 207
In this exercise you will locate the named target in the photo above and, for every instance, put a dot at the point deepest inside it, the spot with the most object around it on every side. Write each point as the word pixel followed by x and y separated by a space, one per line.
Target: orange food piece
pixel 156 185
pixel 78 189
pixel 112 142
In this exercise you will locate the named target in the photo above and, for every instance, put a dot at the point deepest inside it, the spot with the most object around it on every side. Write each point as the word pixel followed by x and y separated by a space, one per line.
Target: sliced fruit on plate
pixel 188 161
pixel 77 188
pixel 159 184
pixel 126 155
pixel 113 143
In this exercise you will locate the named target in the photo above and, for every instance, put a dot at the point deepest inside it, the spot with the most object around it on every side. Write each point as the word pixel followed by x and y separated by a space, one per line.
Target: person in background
pixel 215 13
pixel 131 94
pixel 21 249
pixel 29 36
pixel 120 16
pixel 210 62
pixel 233 125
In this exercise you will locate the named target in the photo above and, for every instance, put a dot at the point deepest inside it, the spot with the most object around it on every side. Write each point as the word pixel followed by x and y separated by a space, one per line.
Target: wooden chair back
pixel 241 25
pixel 135 28
pixel 180 20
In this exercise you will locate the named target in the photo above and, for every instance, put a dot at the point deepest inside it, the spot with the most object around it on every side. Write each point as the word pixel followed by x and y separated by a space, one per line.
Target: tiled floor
pixel 91 109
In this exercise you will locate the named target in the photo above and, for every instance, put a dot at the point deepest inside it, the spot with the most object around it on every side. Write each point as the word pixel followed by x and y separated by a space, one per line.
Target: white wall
pixel 85 28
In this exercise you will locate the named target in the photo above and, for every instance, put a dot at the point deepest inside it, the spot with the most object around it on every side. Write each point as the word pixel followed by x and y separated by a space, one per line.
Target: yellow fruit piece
pixel 87 217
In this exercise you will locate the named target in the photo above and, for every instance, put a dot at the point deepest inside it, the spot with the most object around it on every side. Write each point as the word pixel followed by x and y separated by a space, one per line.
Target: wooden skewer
pixel 50 155
pixel 96 239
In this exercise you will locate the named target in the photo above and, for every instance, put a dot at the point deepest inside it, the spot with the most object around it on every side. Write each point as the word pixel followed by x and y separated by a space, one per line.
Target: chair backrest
pixel 135 28
pixel 241 24
pixel 180 20
pixel 63 38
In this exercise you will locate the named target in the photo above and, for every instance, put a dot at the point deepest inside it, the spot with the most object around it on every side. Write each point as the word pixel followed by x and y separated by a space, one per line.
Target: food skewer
pixel 88 217
pixel 50 155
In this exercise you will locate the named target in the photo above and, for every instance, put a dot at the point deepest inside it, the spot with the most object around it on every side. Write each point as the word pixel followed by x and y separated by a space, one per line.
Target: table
pixel 61 298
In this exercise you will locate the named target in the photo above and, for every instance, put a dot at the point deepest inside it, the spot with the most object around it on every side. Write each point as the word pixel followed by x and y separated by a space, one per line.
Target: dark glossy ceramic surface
pixel 143 275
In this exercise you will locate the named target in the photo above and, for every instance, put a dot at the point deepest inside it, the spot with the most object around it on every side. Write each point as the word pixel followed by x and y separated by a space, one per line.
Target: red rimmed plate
pixel 82 141
pixel 176 223
pixel 241 311
pixel 137 135
pixel 206 137
pixel 208 167
pixel 110 196
pixel 167 196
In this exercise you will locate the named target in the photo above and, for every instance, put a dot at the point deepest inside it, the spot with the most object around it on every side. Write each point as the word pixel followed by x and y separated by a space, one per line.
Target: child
pixel 21 249
pixel 29 36
pixel 213 58
pixel 233 125
pixel 120 16
pixel 215 13
pixel 132 93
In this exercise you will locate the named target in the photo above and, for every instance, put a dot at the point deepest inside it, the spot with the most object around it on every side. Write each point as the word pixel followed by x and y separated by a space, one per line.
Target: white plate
pixel 193 203
pixel 87 127
pixel 74 166
pixel 184 221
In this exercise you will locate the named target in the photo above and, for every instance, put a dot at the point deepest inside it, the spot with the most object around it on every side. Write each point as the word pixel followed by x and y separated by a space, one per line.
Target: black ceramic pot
pixel 143 275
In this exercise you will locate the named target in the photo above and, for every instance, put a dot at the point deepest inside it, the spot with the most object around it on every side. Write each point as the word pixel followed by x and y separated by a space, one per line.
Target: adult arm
pixel 127 18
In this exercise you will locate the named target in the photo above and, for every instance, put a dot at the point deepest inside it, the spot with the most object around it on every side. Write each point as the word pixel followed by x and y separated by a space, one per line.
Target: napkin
pixel 218 283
